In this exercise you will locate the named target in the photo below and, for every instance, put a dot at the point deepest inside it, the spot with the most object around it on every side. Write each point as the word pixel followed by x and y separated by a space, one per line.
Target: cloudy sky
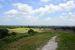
pixel 37 12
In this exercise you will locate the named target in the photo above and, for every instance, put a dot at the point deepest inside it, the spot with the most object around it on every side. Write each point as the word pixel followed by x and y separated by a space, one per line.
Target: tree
pixel 3 33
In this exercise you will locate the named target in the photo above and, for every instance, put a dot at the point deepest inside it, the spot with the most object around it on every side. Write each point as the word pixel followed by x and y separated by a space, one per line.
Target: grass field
pixel 66 41
pixel 19 30
pixel 24 41
pixel 23 30
pixel 29 43
pixel 10 39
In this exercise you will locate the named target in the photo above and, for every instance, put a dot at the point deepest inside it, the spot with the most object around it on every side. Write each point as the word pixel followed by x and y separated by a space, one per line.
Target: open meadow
pixel 20 39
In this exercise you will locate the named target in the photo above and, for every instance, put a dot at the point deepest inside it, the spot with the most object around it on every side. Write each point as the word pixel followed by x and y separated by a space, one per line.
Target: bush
pixel 3 33
pixel 31 32
pixel 13 33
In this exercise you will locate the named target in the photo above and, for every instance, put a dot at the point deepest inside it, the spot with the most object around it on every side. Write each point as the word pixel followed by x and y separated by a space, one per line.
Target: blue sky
pixel 37 12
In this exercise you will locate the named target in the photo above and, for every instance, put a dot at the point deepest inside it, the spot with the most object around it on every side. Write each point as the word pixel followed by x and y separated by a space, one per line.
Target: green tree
pixel 3 33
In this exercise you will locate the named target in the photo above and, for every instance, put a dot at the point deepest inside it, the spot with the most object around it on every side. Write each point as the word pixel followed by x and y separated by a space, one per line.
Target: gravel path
pixel 51 45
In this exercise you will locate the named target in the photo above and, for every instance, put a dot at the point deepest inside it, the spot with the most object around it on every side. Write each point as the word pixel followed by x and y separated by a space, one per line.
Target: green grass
pixel 30 42
pixel 19 30
pixel 36 41
pixel 23 30
pixel 66 41
pixel 23 41
pixel 11 38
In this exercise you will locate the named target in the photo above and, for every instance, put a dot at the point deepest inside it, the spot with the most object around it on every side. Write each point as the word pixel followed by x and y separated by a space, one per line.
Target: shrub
pixel 13 33
pixel 3 33
pixel 31 32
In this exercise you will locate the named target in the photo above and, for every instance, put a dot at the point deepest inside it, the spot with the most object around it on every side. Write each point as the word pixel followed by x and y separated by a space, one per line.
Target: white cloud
pixel 68 5
pixel 68 20
pixel 53 8
pixel 46 9
pixel 27 14
pixel 11 12
pixel 45 1
pixel 23 7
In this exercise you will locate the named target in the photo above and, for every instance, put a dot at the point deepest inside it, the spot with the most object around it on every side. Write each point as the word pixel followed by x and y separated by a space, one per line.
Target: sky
pixel 37 12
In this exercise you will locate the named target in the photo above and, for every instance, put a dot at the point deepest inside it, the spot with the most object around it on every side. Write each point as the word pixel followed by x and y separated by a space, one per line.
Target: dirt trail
pixel 51 45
